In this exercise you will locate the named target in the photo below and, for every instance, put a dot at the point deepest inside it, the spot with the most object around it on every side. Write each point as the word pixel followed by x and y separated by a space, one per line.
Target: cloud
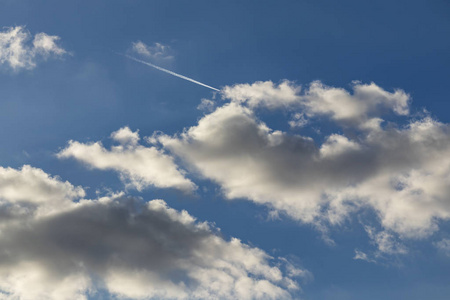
pixel 386 242
pixel 18 52
pixel 126 137
pixel 45 45
pixel 443 246
pixel 401 172
pixel 388 245
pixel 128 248
pixel 359 255
pixel 368 101
pixel 206 105
pixel 266 94
pixel 156 52
pixel 138 166
pixel 360 109
pixel 30 190
pixel 298 120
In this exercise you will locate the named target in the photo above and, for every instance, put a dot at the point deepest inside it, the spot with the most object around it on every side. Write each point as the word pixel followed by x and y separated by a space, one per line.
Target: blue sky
pixel 325 152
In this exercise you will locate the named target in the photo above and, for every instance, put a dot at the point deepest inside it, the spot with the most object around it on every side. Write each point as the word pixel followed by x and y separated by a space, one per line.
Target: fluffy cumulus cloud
pixel 401 172
pixel 19 50
pixel 30 191
pixel 156 52
pixel 264 93
pixel 361 108
pixel 139 166
pixel 125 247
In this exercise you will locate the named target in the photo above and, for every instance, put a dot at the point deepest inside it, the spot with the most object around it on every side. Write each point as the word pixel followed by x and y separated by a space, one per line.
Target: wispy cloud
pixel 156 52
pixel 386 242
pixel 19 52
pixel 206 105
pixel 360 255
pixel 443 246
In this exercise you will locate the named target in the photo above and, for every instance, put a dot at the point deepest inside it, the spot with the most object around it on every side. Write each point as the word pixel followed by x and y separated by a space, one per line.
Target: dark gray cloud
pixel 132 249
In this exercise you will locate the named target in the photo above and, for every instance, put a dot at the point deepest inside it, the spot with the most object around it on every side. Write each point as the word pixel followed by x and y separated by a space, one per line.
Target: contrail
pixel 169 72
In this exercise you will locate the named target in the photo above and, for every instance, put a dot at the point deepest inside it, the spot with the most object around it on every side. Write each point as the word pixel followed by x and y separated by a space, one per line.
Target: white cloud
pixel 17 51
pixel 400 172
pixel 127 247
pixel 138 166
pixel 125 136
pixel 157 52
pixel 336 145
pixel 31 190
pixel 366 102
pixel 45 44
pixel 361 109
pixel 265 94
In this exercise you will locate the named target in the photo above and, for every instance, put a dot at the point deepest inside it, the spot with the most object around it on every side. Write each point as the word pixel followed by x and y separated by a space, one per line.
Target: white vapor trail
pixel 169 72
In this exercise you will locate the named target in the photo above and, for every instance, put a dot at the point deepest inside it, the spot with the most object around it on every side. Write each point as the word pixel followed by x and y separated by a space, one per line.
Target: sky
pixel 224 149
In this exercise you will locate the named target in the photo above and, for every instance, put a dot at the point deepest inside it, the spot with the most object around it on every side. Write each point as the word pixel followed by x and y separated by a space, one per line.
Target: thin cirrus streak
pixel 169 72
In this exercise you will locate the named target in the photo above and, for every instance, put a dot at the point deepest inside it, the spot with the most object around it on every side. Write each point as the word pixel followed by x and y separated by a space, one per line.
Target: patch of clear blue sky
pixel 396 44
